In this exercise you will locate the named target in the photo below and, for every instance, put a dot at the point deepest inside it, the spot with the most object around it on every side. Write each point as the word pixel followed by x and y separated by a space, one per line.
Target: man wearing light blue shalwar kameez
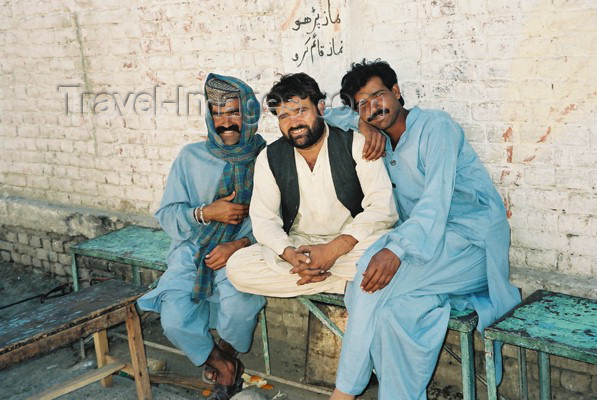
pixel 183 296
pixel 452 239
pixel 193 181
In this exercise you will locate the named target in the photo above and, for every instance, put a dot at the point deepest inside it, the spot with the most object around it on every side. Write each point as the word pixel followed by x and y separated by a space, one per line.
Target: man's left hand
pixel 219 256
pixel 323 256
pixel 375 141
pixel 380 271
pixel 306 270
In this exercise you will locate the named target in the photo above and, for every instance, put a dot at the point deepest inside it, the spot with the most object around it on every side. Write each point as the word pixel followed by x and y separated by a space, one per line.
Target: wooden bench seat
pixel 63 320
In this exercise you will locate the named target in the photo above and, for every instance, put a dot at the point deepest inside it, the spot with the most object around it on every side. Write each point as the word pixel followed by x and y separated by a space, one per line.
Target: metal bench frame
pixel 550 323
pixel 152 249
pixel 153 244
pixel 463 322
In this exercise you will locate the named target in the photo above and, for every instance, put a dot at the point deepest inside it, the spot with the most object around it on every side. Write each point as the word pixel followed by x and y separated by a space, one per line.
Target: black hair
pixel 360 73
pixel 290 85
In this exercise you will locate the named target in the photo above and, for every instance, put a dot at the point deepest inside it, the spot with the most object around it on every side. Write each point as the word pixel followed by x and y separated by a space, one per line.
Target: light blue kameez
pixel 193 181
pixel 453 240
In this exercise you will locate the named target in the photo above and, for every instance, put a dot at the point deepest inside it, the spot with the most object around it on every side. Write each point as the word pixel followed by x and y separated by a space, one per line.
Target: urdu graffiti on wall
pixel 314 46
pixel 315 37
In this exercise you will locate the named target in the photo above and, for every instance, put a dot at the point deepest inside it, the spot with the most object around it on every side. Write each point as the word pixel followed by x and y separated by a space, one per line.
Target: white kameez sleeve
pixel 265 208
pixel 379 209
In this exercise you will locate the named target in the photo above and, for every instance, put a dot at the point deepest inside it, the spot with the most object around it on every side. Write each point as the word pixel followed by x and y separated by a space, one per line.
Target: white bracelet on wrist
pixel 201 214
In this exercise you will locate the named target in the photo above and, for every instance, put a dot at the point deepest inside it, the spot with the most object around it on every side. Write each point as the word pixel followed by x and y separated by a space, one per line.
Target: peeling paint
pixel 509 151
pixel 507 135
pixel 152 75
pixel 286 24
pixel 543 138
pixel 507 206
pixel 567 111
pixel 504 174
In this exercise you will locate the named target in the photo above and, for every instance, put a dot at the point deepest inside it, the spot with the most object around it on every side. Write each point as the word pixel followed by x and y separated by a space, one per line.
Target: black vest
pixel 280 155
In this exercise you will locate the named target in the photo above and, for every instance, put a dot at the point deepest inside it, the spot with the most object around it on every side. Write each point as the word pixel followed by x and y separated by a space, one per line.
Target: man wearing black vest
pixel 316 205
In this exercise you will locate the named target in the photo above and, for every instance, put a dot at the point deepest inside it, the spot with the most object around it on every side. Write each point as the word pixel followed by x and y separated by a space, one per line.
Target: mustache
pixel 296 128
pixel 376 113
pixel 222 129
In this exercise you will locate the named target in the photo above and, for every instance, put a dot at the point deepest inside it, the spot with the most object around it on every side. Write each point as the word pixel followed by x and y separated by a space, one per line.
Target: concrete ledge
pixel 533 279
pixel 64 220
pixel 38 233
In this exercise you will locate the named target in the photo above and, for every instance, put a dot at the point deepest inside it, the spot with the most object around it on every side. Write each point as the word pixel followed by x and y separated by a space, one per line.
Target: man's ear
pixel 321 106
pixel 396 91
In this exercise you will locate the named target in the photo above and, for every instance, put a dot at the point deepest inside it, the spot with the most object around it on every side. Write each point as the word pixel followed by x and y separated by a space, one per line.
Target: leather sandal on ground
pixel 223 392
pixel 211 371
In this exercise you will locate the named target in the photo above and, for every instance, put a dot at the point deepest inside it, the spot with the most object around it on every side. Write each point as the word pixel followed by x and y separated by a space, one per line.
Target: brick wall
pixel 518 75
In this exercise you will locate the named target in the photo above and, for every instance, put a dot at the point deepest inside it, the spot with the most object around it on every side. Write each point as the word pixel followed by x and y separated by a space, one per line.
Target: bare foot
pixel 338 395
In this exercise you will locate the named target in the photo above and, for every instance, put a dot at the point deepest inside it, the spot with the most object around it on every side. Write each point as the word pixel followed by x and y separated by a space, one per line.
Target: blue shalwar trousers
pixel 186 323
pixel 399 330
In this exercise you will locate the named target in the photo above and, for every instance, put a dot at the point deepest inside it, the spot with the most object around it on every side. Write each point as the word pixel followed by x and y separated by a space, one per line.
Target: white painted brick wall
pixel 518 75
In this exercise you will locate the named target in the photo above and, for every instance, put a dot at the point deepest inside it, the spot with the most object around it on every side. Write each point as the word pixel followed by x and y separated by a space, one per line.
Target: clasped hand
pixel 311 262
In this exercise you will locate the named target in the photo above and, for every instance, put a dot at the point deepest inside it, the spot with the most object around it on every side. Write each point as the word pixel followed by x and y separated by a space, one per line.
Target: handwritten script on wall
pixel 314 46
pixel 314 37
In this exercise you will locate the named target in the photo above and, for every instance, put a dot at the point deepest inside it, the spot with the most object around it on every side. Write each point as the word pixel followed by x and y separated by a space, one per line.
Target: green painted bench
pixel 550 323
pixel 142 247
pixel 463 322
pixel 139 247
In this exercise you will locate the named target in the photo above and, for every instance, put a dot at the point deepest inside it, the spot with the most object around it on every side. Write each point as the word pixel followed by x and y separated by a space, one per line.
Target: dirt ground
pixel 33 376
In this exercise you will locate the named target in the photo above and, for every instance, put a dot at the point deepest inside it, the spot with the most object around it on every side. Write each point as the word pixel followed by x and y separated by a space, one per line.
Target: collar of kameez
pixel 412 116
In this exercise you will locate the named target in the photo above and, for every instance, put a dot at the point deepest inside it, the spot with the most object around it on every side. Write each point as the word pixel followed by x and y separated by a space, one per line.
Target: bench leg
pixel 322 317
pixel 468 365
pixel 133 329
pixel 100 340
pixel 136 272
pixel 75 277
pixel 522 374
pixel 74 272
pixel 544 376
pixel 490 370
pixel 265 341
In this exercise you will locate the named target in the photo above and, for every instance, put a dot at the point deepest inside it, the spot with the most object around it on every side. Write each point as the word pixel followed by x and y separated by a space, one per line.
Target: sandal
pixel 223 392
pixel 211 371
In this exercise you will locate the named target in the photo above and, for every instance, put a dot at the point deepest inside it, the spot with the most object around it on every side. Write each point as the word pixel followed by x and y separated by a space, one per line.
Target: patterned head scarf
pixel 238 172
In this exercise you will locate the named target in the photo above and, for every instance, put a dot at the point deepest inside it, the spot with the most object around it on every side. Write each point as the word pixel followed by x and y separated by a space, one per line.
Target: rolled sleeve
pixel 397 250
